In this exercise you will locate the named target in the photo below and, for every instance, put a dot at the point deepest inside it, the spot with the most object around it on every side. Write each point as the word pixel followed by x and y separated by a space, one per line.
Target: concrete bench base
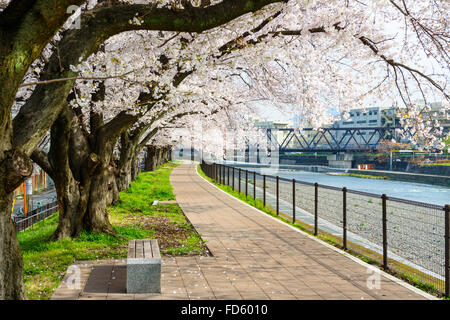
pixel 143 270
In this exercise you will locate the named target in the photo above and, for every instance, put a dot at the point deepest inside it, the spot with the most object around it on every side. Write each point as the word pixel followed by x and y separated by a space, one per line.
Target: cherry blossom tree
pixel 26 29
pixel 306 56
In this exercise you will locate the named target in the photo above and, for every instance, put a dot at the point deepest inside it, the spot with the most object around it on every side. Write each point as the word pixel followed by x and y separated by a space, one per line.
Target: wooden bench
pixel 143 266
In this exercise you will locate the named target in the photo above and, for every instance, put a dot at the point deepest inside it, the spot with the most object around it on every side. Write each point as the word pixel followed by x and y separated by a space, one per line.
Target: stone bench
pixel 143 267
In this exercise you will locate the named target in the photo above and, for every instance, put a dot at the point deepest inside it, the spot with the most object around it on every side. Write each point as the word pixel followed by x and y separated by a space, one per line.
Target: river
pixel 432 194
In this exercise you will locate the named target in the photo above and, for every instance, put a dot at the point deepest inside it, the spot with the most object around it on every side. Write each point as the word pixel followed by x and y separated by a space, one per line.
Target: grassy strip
pixel 359 175
pixel 45 262
pixel 402 271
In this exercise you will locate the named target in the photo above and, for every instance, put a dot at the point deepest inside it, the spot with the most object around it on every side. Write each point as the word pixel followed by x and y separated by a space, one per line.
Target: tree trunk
pixel 124 177
pixel 156 156
pixel 96 217
pixel 72 203
pixel 14 168
pixel 113 189
pixel 127 150
pixel 135 168
pixel 150 159
pixel 71 189
pixel 84 180
pixel 11 263
pixel 159 158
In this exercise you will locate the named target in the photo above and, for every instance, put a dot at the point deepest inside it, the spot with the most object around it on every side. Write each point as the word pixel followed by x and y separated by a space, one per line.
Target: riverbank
pixel 357 175
pixel 406 176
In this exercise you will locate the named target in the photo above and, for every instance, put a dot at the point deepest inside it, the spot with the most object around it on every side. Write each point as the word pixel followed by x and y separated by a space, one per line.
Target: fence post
pixel 384 198
pixel 293 200
pixel 447 250
pixel 278 195
pixel 228 175
pixel 246 183
pixel 264 190
pixel 344 217
pixel 316 207
pixel 239 180
pixel 254 185
pixel 233 178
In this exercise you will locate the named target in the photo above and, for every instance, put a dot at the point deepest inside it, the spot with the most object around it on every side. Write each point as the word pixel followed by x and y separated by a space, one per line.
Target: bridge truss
pixel 360 139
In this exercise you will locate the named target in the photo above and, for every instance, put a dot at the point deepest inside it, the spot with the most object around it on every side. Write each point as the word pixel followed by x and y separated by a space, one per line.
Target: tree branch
pixel 41 158
pixel 97 25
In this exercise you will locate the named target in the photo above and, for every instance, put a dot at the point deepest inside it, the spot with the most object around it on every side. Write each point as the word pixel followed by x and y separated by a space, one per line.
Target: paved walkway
pixel 254 257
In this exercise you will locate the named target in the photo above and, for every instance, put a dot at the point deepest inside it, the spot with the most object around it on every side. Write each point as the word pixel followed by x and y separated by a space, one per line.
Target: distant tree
pixel 386 146
pixel 447 145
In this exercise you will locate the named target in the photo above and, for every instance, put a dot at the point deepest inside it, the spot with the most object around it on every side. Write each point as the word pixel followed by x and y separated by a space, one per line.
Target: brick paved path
pixel 254 257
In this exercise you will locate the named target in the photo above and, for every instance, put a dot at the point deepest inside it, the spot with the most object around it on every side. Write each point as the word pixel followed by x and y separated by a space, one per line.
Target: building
pixel 370 117
pixel 279 134
pixel 436 112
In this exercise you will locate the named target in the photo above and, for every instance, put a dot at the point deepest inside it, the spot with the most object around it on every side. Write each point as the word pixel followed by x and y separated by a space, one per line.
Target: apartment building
pixel 367 118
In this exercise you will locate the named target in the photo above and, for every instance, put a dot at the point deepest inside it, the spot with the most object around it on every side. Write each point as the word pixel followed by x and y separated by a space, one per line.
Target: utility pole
pixel 29 194
pixel 390 161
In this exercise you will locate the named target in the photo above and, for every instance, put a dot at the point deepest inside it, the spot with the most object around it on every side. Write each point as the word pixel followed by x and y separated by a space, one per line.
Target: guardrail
pixel 409 237
pixel 38 214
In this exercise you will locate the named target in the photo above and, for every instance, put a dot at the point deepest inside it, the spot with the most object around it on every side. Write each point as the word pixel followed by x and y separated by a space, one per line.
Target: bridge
pixel 357 139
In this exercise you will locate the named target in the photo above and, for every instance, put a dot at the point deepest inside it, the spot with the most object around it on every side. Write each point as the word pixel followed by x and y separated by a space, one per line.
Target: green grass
pixel 364 176
pixel 45 262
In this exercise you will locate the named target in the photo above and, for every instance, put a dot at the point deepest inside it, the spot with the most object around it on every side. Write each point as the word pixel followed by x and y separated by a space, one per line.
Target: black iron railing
pixel 409 237
pixel 38 214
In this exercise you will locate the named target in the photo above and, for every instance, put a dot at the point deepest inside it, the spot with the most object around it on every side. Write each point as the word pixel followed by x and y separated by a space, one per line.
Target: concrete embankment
pixel 439 170
pixel 406 176
pixel 311 168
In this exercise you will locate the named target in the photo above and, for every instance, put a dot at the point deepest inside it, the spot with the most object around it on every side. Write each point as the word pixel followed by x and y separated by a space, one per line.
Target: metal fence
pixel 38 214
pixel 408 237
